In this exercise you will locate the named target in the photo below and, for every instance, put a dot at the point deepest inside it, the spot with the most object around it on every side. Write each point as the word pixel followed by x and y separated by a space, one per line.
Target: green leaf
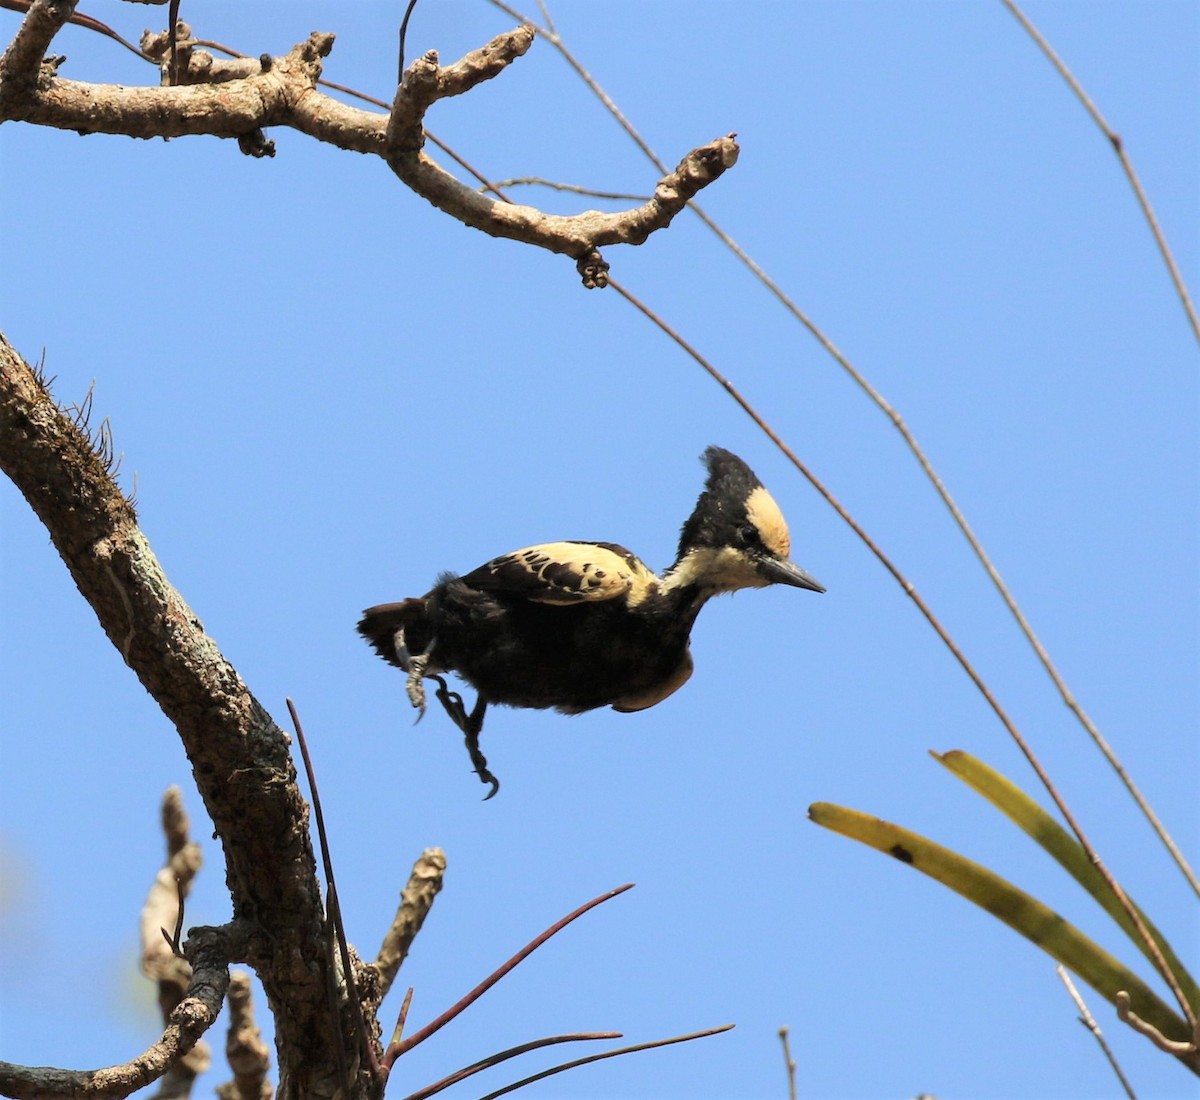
pixel 1015 804
pixel 1025 914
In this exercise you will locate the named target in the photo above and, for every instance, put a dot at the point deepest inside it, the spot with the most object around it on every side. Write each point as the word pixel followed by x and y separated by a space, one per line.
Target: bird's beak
pixel 785 571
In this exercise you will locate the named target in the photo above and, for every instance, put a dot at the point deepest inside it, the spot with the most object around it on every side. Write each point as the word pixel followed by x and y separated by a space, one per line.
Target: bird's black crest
pixel 730 482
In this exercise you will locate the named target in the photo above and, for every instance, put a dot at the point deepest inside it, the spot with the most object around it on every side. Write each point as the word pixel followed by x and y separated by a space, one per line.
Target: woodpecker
pixel 580 625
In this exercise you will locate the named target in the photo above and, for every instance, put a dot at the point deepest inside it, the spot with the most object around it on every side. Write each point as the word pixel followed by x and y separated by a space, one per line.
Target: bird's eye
pixel 748 534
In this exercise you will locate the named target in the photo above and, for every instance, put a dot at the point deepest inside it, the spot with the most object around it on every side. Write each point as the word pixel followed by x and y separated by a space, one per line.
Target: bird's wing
pixel 656 694
pixel 565 573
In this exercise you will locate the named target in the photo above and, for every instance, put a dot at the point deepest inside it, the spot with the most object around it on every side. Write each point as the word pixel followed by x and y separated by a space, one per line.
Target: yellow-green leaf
pixel 1025 914
pixel 1023 811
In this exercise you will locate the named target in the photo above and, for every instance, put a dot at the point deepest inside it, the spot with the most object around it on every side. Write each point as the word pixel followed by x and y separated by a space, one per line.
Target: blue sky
pixel 326 392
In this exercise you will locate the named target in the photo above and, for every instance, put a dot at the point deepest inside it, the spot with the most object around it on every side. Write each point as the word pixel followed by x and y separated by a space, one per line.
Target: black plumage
pixel 580 625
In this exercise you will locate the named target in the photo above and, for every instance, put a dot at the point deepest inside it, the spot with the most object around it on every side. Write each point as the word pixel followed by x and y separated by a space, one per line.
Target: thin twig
pixel 910 590
pixel 601 1057
pixel 1089 1022
pixel 209 953
pixel 573 188
pixel 1118 145
pixel 1181 289
pixel 395 1050
pixel 402 1017
pixel 548 32
pixel 85 21
pixel 173 42
pixel 334 918
pixel 176 937
pixel 403 38
pixel 789 1062
pixel 545 10
pixel 504 1056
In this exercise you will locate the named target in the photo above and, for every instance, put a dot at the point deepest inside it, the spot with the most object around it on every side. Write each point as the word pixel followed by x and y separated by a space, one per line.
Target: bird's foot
pixel 415 667
pixel 414 687
pixel 471 725
pixel 403 657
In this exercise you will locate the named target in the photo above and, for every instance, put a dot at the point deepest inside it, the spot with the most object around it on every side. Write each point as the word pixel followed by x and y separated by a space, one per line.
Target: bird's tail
pixel 380 623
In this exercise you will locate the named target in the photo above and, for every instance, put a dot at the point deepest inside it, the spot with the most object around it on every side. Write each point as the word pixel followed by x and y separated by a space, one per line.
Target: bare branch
pixel 208 950
pixel 238 99
pixel 173 882
pixel 578 234
pixel 426 82
pixel 162 960
pixel 789 1063
pixel 416 899
pixel 249 1057
pixel 21 64
pixel 225 110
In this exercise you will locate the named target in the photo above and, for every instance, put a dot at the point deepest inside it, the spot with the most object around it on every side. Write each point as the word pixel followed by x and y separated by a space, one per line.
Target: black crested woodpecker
pixel 580 625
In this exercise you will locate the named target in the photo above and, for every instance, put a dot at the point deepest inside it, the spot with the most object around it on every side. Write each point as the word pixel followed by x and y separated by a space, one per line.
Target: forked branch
pixel 240 100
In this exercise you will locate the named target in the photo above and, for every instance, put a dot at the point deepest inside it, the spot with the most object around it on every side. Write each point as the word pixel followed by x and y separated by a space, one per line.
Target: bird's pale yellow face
pixel 764 513
pixel 762 533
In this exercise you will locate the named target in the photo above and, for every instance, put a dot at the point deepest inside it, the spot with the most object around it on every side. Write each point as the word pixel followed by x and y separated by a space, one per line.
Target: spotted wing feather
pixel 565 573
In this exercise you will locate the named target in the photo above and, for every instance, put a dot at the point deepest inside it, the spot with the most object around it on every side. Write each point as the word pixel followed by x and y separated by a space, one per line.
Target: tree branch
pixel 240 758
pixel 227 109
pixel 162 917
pixel 20 67
pixel 208 950
pixel 245 1050
pixel 240 100
pixel 416 900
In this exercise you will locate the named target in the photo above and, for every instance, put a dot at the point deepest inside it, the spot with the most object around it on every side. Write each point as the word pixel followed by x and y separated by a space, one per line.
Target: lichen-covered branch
pixel 241 99
pixel 240 759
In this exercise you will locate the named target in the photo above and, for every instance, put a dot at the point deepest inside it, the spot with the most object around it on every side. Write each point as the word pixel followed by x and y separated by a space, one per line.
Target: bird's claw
pixel 470 725
pixel 481 768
